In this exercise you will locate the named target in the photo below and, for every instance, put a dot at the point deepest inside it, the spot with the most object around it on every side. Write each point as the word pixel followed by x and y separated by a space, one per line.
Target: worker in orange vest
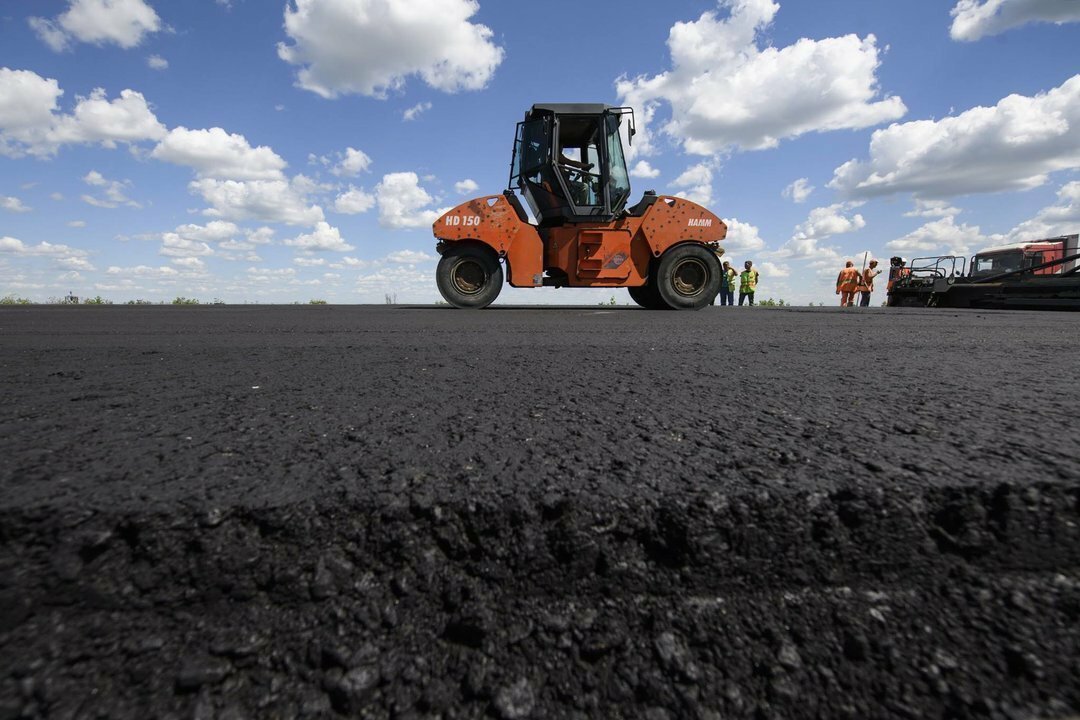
pixel 847 282
pixel 866 284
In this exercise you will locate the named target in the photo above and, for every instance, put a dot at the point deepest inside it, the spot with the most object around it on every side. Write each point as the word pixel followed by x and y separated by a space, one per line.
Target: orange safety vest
pixel 848 280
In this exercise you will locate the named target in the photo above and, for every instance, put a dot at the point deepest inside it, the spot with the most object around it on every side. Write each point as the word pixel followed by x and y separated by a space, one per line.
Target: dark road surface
pixel 309 511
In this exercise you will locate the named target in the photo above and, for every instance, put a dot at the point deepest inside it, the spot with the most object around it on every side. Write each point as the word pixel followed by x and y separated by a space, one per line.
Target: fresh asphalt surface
pixel 134 406
pixel 538 511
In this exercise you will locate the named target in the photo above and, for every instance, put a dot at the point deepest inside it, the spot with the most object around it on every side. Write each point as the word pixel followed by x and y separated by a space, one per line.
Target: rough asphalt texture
pixel 247 512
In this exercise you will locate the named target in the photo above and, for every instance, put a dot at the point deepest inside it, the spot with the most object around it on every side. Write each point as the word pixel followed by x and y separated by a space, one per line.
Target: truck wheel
pixel 688 277
pixel 469 276
pixel 647 296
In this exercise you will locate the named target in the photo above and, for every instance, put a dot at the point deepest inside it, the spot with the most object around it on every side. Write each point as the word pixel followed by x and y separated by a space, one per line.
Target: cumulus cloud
pixel 697 181
pixel 156 62
pixel 119 22
pixel 409 257
pixel 932 209
pixel 821 224
pixel 466 187
pixel 370 47
pixel 642 169
pixel 163 272
pixel 354 201
pixel 352 163
pixel 270 201
pixel 1062 218
pixel 403 203
pixel 742 236
pixel 215 153
pixel 174 245
pixel 415 111
pixel 75 263
pixel 325 237
pixel 976 19
pixel 799 190
pixel 13 204
pixel 769 94
pixel 114 192
pixel 15 246
pixel 772 270
pixel 1014 145
pixel 942 236
pixel 30 124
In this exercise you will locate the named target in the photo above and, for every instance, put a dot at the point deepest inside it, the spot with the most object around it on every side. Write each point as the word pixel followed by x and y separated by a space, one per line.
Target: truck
pixel 569 165
pixel 1032 275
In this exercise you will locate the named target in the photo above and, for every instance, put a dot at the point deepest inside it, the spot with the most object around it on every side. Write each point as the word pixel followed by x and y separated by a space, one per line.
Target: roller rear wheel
pixel 688 277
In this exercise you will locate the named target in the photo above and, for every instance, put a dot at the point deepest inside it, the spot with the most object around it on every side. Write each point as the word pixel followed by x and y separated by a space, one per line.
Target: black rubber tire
pixel 688 277
pixel 646 296
pixel 469 276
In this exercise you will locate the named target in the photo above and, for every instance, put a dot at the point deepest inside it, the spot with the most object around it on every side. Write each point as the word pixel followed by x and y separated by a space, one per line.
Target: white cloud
pixel 173 245
pixel 309 262
pixel 769 94
pixel 371 46
pixel 76 263
pixel 351 262
pixel 799 190
pixel 193 264
pixel 18 247
pixel 407 283
pixel 940 236
pixel 932 209
pixel 1053 220
pixel 772 270
pixel 325 237
pixel 270 201
pixel 163 272
pixel 267 275
pixel 120 22
pixel 415 111
pixel 213 231
pixel 29 123
pixel 644 170
pixel 697 179
pixel 467 186
pixel 214 153
pixel 97 119
pixel 409 257
pixel 742 236
pixel 976 19
pixel 13 204
pixel 1014 145
pixel 403 203
pixel 354 201
pixel 77 223
pixel 821 224
pixel 114 190
pixel 156 62
pixel 352 164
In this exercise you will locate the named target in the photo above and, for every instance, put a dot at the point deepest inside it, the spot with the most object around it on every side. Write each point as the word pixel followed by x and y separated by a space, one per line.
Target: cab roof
pixel 571 108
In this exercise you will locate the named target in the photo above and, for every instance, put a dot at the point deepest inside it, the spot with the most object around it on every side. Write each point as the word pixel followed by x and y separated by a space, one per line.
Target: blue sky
pixel 278 152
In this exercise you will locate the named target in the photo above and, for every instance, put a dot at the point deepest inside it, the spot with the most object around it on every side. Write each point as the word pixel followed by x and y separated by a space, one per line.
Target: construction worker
pixel 727 284
pixel 866 286
pixel 847 282
pixel 748 280
pixel 897 271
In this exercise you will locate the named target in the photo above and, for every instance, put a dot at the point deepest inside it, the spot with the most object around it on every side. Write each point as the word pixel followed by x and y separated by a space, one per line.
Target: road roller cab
pixel 569 165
